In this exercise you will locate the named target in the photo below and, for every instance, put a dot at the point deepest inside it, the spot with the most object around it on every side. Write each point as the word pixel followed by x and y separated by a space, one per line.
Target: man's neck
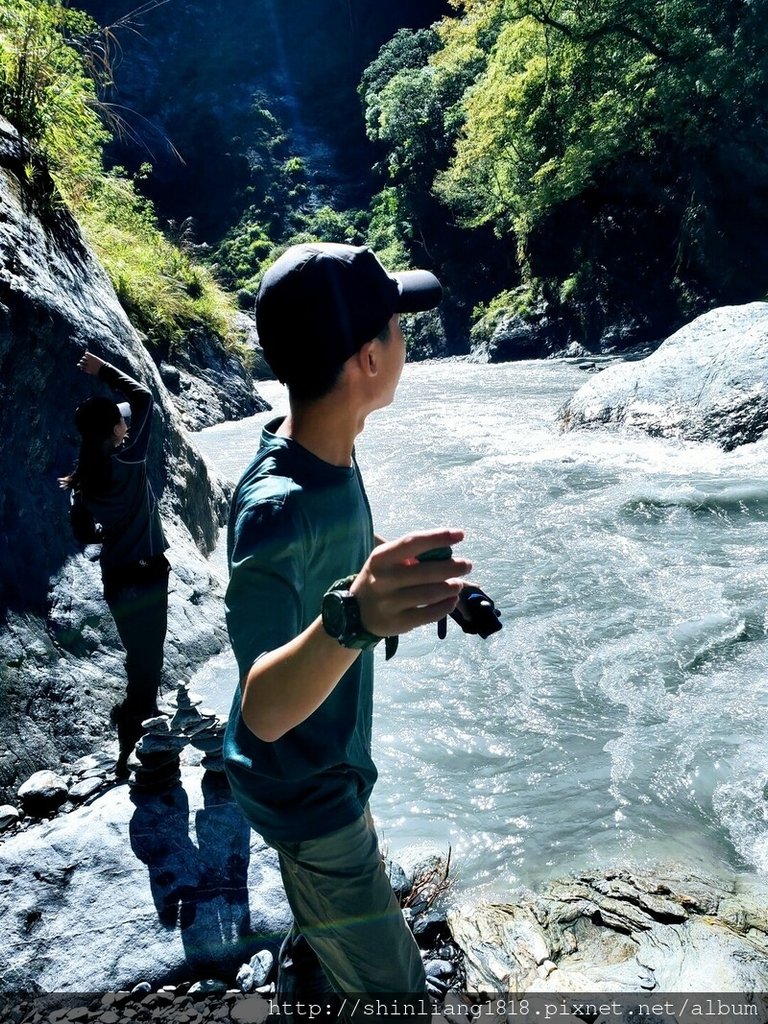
pixel 323 429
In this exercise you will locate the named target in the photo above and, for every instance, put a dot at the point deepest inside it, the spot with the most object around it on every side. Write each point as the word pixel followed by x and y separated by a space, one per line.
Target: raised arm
pixel 139 398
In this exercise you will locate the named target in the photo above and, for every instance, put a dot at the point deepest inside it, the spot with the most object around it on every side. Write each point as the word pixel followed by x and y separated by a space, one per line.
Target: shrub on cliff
pixel 53 59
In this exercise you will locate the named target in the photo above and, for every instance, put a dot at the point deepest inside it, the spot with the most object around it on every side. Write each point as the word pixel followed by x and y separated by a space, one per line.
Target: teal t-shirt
pixel 297 524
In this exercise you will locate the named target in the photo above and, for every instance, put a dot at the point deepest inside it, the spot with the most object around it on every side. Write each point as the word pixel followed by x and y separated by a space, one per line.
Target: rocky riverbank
pixel 208 384
pixel 167 901
pixel 109 887
pixel 628 930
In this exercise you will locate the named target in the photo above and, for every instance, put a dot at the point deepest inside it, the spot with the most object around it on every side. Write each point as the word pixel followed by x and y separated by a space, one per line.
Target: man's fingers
pixel 397 592
pixel 413 544
pixel 422 573
pixel 413 617
pixel 429 594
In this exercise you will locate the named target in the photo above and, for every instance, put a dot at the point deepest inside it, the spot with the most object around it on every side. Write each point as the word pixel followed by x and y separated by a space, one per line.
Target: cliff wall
pixel 60 659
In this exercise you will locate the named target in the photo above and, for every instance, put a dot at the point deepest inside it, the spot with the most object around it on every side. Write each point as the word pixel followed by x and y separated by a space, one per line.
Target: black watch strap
pixel 341 617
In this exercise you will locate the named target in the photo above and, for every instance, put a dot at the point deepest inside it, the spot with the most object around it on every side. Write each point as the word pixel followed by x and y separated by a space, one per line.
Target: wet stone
pixel 85 788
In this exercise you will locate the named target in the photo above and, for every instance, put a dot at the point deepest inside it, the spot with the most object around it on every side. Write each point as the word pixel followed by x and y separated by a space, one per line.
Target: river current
pixel 620 715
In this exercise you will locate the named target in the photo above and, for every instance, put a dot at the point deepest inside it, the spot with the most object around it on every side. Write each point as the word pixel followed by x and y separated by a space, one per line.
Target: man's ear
pixel 368 360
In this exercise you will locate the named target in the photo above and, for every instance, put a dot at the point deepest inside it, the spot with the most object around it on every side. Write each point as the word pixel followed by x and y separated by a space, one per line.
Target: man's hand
pixel 396 592
pixel 89 363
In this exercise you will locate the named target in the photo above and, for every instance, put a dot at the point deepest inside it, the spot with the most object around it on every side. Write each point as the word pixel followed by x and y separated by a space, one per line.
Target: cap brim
pixel 419 290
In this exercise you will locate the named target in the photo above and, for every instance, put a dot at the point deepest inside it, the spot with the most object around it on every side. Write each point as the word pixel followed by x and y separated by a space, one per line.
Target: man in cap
pixel 311 593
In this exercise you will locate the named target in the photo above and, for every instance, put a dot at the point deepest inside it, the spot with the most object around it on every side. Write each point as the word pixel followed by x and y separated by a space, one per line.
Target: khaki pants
pixel 344 906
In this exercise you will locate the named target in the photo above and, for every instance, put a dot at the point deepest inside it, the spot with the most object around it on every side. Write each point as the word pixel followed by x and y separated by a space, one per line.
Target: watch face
pixel 334 614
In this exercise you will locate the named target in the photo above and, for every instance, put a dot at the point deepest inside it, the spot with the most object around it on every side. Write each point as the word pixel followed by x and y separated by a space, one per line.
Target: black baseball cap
pixel 320 302
pixel 98 416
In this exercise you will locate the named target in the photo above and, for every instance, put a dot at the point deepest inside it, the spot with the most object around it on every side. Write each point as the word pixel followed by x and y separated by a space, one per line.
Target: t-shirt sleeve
pixel 134 449
pixel 267 567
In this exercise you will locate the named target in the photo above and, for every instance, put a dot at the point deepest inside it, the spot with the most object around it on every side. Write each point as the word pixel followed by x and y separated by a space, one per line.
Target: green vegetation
pixel 598 167
pixel 52 60
pixel 617 149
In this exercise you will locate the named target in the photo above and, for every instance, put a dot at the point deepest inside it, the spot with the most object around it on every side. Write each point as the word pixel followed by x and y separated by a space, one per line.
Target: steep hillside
pixel 192 77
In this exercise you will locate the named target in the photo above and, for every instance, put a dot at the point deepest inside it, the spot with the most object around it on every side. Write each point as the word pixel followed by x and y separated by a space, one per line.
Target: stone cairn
pixel 155 762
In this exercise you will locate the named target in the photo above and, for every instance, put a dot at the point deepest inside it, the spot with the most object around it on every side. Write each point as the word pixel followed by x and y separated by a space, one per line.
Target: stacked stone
pixel 203 728
pixel 156 760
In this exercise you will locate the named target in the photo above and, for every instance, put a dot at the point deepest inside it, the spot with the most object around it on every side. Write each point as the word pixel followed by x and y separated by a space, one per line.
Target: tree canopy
pixel 619 147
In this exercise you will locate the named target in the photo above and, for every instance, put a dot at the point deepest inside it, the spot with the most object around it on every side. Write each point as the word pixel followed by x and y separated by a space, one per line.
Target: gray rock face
pixel 210 385
pixel 515 337
pixel 624 932
pixel 707 382
pixel 60 659
pixel 137 887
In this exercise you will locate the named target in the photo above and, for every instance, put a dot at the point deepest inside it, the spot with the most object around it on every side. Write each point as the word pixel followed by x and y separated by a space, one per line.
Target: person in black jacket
pixel 110 477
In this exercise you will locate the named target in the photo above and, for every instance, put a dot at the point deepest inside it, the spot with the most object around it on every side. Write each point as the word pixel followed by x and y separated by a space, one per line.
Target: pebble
pixel 430 928
pixel 85 788
pixel 80 1013
pixel 100 762
pixel 261 964
pixel 9 816
pixel 244 979
pixel 438 968
pixel 208 987
pixel 43 792
pixel 400 882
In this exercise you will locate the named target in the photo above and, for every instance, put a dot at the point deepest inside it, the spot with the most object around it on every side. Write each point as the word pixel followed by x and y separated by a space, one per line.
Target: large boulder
pixel 60 658
pixel 621 931
pixel 707 382
pixel 138 887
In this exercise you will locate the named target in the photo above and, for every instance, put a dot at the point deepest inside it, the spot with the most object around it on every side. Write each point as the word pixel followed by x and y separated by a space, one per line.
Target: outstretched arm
pixel 396 593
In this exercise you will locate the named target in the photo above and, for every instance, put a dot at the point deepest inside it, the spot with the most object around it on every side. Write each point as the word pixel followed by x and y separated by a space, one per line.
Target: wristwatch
pixel 341 617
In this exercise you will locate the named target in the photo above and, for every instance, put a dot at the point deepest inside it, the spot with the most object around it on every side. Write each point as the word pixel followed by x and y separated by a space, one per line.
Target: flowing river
pixel 620 715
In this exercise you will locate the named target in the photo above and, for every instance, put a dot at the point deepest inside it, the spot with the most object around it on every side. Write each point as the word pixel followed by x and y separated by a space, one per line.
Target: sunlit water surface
pixel 620 714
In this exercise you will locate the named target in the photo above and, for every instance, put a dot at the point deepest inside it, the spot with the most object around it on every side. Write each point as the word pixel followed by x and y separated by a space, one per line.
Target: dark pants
pixel 138 599
pixel 349 935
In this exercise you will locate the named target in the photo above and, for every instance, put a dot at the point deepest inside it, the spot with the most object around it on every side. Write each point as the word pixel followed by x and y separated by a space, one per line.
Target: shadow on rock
pixel 200 888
